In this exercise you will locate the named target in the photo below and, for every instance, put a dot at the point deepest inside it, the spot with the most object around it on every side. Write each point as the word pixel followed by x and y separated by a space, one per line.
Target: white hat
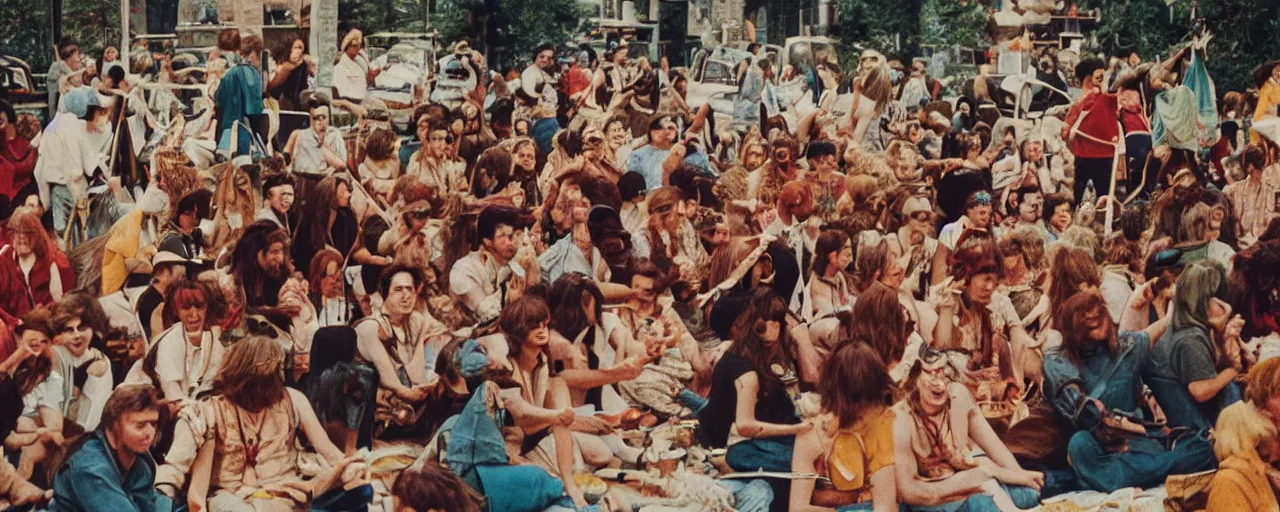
pixel 241 161
pixel 167 257
pixel 915 204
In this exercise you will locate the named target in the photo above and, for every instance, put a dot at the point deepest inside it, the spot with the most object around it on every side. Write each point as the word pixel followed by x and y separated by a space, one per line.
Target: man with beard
pixel 483 280
pixel 401 343
pixel 918 245
pixel 260 267
pixel 538 93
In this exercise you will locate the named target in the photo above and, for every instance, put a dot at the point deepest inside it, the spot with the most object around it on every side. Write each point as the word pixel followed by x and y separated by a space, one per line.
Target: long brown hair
pixel 26 221
pixel 1075 332
pixel 880 320
pixel 250 375
pixel 1072 267
pixel 764 306
pixel 854 382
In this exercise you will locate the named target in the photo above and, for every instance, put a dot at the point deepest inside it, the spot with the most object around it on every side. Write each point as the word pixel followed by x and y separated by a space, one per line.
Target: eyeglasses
pixel 921 216
pixel 319 117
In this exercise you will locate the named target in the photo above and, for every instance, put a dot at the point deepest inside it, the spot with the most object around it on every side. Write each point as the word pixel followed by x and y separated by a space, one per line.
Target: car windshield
pixel 800 52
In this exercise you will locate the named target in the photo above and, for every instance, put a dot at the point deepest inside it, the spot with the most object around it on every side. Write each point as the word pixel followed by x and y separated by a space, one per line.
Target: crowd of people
pixel 569 289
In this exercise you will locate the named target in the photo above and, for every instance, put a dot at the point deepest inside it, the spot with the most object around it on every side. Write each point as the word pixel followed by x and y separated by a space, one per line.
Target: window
pixel 718 73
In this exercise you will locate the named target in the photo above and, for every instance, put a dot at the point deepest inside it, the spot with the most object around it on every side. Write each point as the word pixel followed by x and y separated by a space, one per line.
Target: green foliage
pixel 93 24
pixel 894 28
pixel 509 29
pixel 1244 33
pixel 948 23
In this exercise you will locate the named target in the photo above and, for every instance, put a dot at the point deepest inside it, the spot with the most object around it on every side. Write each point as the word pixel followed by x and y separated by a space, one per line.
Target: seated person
pixel 539 401
pixel 401 343
pixel 112 468
pixel 1245 443
pixel 1098 389
pixel 320 150
pixel 483 280
pixel 935 438
pixel 182 360
pixel 40 429
pixel 248 458
pixel 853 443
pixel 14 489
pixel 1192 372
pixel 87 378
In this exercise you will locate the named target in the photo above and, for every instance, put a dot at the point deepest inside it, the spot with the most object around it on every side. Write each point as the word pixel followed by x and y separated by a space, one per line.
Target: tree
pixel 508 30
pixel 893 28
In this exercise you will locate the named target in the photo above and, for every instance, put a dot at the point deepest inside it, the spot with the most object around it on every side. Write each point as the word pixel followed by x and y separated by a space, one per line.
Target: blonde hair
pixel 1263 382
pixel 1241 426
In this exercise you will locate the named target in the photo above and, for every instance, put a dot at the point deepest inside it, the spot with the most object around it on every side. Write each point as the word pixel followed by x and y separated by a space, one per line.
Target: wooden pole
pixel 124 30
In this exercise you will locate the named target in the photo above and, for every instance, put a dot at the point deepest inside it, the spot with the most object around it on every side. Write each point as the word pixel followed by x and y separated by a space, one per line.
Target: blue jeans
pixel 769 454
pixel 62 204
pixel 1146 464
pixel 1023 497
pixel 693 401
pixel 749 495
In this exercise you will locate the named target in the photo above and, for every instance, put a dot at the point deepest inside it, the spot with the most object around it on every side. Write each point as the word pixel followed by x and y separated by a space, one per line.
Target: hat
pixel 471 359
pixel 163 257
pixel 77 101
pixel 241 161
pixel 915 204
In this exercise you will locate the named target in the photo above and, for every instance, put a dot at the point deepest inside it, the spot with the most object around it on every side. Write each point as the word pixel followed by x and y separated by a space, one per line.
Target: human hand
pixel 1032 479
pixel 515 288
pixel 195 505
pixel 1143 296
pixel 52 437
pixel 290 310
pixel 566 417
pixel 679 150
pixel 632 367
pixel 413 394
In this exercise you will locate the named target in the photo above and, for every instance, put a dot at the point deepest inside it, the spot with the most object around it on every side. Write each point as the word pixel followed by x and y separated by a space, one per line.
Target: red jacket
pixel 1100 123
pixel 17 163
pixel 35 289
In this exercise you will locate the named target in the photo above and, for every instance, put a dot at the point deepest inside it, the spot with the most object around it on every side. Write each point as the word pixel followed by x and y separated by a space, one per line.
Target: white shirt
pixel 351 77
pixel 307 157
pixel 529 81
pixel 68 155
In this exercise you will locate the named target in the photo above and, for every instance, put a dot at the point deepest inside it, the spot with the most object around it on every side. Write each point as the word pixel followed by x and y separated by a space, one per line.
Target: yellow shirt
pixel 122 244
pixel 858 452
pixel 1268 99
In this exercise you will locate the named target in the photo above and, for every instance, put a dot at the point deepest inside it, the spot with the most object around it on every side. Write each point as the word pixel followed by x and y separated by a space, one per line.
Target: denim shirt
pixel 1070 386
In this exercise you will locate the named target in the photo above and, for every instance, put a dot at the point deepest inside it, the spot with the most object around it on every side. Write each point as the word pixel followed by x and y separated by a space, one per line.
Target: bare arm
pixel 944 330
pixel 940 268
pixel 748 387
pixel 808 448
pixel 1205 390
pixel 201 470
pixel 371 349
pixel 314 431
pixel 807 354
pixel 884 491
